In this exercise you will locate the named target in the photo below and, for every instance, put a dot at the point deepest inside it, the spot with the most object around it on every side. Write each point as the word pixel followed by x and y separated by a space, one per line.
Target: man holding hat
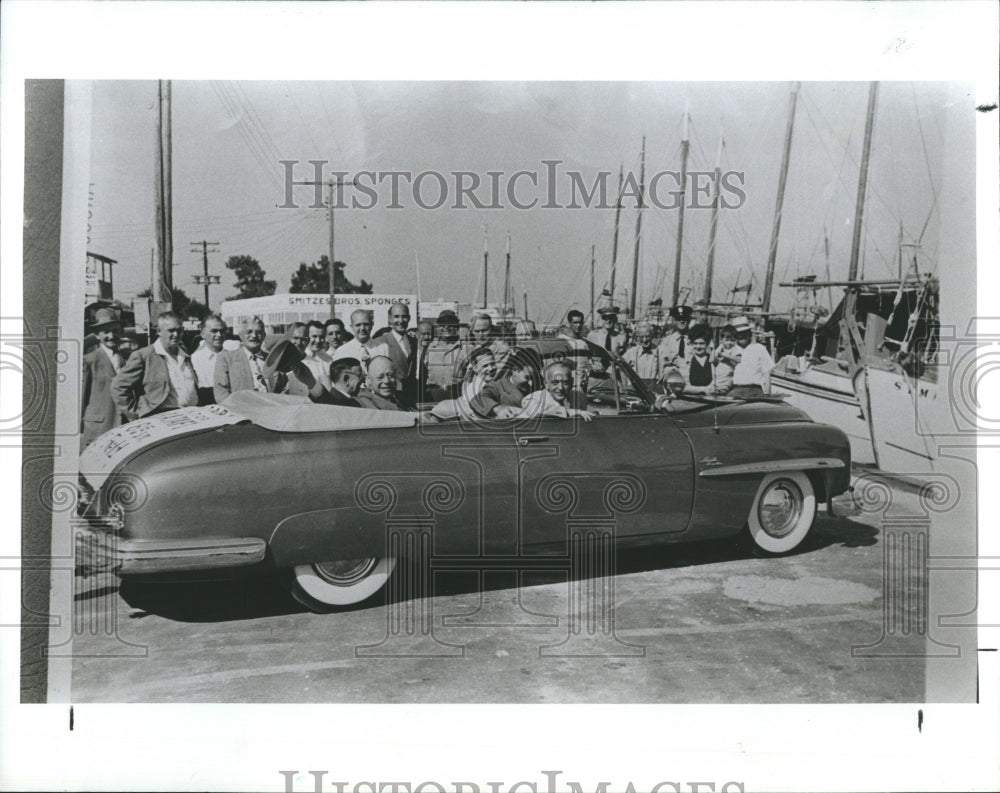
pixel 752 373
pixel 100 413
pixel 675 345
pixel 443 358
pixel 243 369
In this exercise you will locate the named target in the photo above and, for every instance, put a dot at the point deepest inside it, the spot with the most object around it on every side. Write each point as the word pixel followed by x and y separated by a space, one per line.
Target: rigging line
pixel 873 190
pixel 930 176
pixel 329 119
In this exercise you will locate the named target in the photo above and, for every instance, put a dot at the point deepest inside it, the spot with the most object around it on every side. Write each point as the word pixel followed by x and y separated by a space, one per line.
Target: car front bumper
pixel 99 550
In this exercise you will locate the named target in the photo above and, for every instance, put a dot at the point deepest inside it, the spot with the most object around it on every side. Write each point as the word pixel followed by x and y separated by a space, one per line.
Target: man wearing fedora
pixel 158 377
pixel 443 358
pixel 99 411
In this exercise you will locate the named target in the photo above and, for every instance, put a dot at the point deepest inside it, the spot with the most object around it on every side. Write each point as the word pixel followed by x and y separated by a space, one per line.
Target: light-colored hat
pixel 741 324
pixel 105 317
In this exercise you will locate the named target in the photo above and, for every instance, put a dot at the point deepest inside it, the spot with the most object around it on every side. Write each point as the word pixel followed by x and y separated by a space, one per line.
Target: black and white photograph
pixel 640 417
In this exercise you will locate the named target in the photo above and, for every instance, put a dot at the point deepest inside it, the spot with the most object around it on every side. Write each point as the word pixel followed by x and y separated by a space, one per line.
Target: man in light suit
pixel 158 377
pixel 398 347
pixel 242 369
pixel 100 413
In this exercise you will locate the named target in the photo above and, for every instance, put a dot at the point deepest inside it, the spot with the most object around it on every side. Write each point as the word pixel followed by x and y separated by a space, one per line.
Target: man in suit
pixel 158 377
pixel 501 399
pixel 242 369
pixel 381 379
pixel 346 378
pixel 100 413
pixel 398 347
pixel 609 336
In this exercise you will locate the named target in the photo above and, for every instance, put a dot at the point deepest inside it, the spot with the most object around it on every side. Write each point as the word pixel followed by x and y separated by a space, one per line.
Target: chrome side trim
pixel 794 464
pixel 100 550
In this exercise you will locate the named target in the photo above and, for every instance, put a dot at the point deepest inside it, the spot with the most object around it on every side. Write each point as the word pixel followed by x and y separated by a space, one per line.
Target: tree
pixel 315 279
pixel 183 305
pixel 250 280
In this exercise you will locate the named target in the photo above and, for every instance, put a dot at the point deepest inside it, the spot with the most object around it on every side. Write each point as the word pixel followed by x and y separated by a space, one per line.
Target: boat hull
pixel 899 407
pixel 826 394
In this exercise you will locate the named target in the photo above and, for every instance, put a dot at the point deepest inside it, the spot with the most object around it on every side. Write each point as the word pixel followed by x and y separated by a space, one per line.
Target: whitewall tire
pixel 327 585
pixel 783 512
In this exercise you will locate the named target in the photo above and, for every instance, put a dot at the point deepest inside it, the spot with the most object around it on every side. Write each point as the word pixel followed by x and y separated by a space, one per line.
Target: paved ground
pixel 690 624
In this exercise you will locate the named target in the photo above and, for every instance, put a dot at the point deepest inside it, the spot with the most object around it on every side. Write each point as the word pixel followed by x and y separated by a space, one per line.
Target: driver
pixel 558 398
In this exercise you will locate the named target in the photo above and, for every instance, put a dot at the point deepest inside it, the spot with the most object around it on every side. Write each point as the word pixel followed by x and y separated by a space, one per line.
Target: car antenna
pixel 715 420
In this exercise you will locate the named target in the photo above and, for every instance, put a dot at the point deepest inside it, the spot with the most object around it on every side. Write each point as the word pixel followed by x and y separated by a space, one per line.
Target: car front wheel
pixel 782 513
pixel 324 586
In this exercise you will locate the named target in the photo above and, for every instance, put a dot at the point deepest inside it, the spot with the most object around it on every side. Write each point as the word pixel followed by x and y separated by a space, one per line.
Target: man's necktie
pixel 258 375
pixel 607 340
pixel 680 348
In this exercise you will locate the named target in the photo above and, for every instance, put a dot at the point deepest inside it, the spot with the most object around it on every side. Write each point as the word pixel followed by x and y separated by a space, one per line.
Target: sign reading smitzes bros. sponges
pixel 280 311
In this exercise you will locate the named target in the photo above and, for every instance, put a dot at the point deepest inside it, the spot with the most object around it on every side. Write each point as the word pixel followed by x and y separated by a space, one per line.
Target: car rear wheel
pixel 782 513
pixel 324 586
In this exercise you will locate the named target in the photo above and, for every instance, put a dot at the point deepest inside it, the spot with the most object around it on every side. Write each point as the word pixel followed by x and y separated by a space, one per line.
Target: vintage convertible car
pixel 333 496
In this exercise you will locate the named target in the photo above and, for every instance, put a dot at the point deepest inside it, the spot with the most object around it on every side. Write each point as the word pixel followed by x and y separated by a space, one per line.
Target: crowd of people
pixel 400 368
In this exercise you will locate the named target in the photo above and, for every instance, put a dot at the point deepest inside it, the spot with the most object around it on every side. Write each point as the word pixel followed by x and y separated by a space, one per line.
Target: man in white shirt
pixel 158 377
pixel 213 333
pixel 361 326
pixel 645 357
pixel 558 398
pixel 317 359
pixel 580 355
pixel 752 374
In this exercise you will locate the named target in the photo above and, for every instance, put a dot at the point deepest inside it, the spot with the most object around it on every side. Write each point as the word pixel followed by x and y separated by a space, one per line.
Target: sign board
pixel 140 308
pixel 280 311
pixel 430 309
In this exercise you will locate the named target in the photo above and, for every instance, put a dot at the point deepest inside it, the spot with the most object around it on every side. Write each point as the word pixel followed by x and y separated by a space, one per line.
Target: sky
pixel 229 184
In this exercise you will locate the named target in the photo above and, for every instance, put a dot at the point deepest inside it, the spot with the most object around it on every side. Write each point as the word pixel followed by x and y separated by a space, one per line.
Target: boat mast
pixel 710 266
pixel 591 319
pixel 506 281
pixel 859 207
pixel 685 146
pixel 772 254
pixel 638 226
pixel 486 264
pixel 164 279
pixel 614 245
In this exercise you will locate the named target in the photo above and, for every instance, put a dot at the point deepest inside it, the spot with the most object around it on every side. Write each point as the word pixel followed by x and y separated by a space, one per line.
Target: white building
pixel 280 311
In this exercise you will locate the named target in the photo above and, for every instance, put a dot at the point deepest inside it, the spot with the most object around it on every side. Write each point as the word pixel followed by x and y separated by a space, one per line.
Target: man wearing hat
pixel 443 358
pixel 608 337
pixel 675 345
pixel 159 377
pixel 752 373
pixel 100 413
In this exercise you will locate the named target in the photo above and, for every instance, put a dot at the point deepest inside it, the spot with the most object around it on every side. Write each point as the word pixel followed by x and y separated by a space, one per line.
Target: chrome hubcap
pixel 347 572
pixel 780 507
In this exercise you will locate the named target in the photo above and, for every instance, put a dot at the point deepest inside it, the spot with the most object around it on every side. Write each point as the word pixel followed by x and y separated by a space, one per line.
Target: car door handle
pixel 524 440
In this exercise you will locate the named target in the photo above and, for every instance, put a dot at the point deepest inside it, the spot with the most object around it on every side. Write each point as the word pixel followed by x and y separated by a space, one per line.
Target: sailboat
pixel 872 363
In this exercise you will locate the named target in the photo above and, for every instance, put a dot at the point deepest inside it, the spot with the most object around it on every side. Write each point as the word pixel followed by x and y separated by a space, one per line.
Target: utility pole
pixel 205 279
pixel 163 277
pixel 333 270
pixel 525 305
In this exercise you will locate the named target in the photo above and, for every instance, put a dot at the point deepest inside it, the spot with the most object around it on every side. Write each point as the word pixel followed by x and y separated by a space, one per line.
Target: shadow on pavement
pixel 267 595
